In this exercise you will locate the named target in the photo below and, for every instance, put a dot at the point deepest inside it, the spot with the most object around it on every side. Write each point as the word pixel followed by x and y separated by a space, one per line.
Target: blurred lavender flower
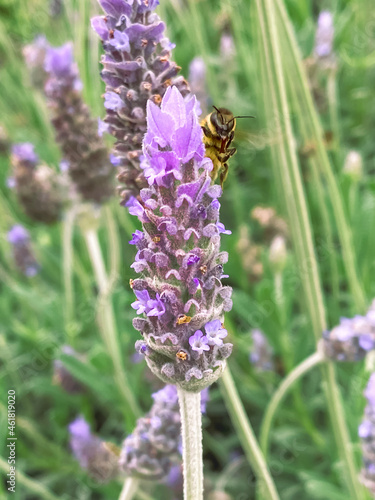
pixel 37 188
pixel 76 130
pixel 261 355
pixel 366 432
pixel 153 448
pixel 97 457
pixel 137 67
pixel 197 82
pixel 34 55
pixel 62 376
pixel 24 258
pixel 180 293
pixel 324 35
pixel 352 339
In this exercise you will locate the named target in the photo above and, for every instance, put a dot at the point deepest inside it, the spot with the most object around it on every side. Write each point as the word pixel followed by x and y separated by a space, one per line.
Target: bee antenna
pixel 245 116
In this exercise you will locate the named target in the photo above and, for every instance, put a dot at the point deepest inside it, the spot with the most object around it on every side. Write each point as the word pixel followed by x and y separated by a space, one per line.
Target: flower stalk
pixel 191 431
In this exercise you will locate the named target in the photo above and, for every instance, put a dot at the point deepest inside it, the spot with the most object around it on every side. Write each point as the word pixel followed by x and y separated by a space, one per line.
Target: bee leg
pixel 225 157
pixel 230 139
pixel 223 175
pixel 207 132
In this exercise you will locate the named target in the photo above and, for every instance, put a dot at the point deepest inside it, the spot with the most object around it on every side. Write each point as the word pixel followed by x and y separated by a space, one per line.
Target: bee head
pixel 223 121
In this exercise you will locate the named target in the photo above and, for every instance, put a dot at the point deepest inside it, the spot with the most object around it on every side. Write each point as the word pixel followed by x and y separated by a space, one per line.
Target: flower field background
pixel 300 203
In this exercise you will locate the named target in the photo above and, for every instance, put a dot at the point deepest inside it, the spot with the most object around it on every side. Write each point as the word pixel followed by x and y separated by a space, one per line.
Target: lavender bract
pixel 76 131
pixel 36 186
pixel 179 294
pixel 153 448
pixel 136 67
pixel 92 453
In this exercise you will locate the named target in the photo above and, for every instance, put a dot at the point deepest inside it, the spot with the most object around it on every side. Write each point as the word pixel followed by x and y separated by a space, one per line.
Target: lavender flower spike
pixel 136 67
pixel 153 448
pixel 180 294
pixel 37 187
pixel 76 130
pixel 23 255
pixel 93 454
pixel 366 432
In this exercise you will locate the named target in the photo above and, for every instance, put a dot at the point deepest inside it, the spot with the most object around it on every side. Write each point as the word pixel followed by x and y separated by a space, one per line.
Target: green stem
pixel 334 192
pixel 333 110
pixel 191 430
pixel 34 487
pixel 280 394
pixel 68 228
pixel 129 489
pixel 290 179
pixel 107 322
pixel 246 434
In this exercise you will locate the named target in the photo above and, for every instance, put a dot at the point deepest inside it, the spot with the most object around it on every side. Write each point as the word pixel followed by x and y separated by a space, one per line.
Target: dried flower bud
pixel 278 254
pixel 96 456
pixel 76 131
pixel 24 258
pixel 353 166
pixel 182 273
pixel 137 64
pixel 38 189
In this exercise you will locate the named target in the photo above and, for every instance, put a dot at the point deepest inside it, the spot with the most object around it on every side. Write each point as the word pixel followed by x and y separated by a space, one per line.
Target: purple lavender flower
pixel 93 454
pixel 76 131
pixel 261 355
pixel 324 35
pixel 366 432
pixel 37 188
pixel 136 67
pixel 197 82
pixel 152 449
pixel 351 340
pixel 24 153
pixel 179 255
pixel 23 255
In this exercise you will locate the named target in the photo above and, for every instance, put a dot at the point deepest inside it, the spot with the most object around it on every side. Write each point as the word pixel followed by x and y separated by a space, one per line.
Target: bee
pixel 218 129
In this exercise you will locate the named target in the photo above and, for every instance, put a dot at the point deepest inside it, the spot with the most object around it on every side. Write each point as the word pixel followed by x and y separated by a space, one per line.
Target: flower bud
pixel 353 166
pixel 278 254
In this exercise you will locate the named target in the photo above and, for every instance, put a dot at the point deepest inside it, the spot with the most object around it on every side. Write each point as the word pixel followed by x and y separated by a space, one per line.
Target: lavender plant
pixel 84 152
pixel 36 186
pixel 366 432
pixel 136 68
pixel 153 447
pixel 180 294
pixel 23 255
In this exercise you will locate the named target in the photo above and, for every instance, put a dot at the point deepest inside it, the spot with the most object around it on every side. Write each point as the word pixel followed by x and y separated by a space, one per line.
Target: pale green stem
pixel 114 245
pixel 290 179
pixel 345 234
pixel 192 455
pixel 35 487
pixel 129 489
pixel 107 320
pixel 280 394
pixel 247 437
pixel 68 228
pixel 333 110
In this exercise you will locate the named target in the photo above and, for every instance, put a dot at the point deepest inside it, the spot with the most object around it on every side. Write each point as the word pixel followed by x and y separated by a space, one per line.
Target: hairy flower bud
pixel 278 254
pixel 76 131
pixel 152 449
pixel 136 67
pixel 96 456
pixel 37 187
pixel 180 297
pixel 24 258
